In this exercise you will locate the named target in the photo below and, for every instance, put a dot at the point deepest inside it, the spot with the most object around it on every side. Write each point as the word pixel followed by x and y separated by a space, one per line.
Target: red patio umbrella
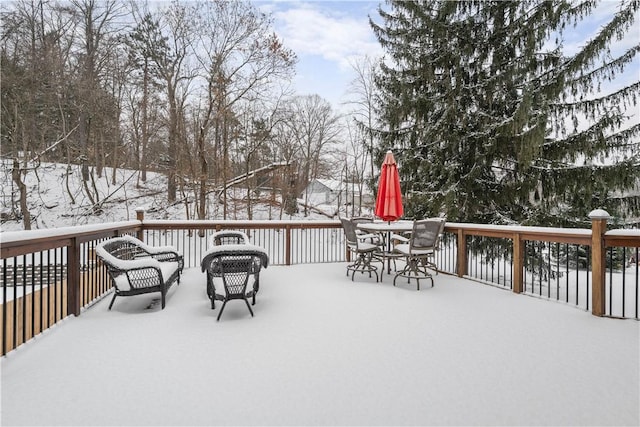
pixel 389 199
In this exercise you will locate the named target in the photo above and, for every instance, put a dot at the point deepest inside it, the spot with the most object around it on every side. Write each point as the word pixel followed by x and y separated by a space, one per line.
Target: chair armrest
pixel 167 256
pixel 151 250
pixel 399 238
pixel 367 236
pixel 133 264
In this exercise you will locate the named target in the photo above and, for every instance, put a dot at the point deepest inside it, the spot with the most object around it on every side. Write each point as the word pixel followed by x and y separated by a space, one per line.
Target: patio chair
pixel 420 250
pixel 365 247
pixel 229 271
pixel 229 237
pixel 136 268
pixel 370 237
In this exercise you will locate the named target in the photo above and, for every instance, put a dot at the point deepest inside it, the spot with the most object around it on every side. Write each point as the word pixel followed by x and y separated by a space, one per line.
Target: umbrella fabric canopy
pixel 389 199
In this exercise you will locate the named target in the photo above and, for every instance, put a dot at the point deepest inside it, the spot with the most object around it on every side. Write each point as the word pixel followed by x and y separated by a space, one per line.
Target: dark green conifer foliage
pixel 480 107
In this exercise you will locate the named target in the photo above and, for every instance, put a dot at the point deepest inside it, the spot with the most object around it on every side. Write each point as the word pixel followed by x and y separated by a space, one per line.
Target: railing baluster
pixel 5 327
pixel 624 277
pixel 587 296
pixel 610 252
pixel 33 294
pixel 55 293
pixel 15 301
pixel 24 298
pixel 637 262
pixel 558 271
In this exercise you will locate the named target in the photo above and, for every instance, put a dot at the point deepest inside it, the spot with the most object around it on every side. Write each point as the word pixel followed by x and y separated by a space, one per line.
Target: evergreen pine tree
pixel 477 98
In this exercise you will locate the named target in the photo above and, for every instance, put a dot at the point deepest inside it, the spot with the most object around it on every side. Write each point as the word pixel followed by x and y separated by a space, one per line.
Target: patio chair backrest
pixel 361 219
pixel 349 231
pixel 123 249
pixel 426 233
pixel 229 237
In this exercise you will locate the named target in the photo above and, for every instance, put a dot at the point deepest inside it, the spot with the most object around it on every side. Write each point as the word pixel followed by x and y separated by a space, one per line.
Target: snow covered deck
pixel 323 350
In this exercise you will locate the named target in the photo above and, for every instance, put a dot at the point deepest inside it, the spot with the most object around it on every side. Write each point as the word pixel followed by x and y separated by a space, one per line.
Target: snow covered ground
pixel 56 199
pixel 323 350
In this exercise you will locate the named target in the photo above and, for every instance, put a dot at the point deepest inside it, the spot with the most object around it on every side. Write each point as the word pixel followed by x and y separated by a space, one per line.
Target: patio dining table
pixel 385 229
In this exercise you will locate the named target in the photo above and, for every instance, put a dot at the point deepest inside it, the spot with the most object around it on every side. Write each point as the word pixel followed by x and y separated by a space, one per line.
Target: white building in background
pixel 345 196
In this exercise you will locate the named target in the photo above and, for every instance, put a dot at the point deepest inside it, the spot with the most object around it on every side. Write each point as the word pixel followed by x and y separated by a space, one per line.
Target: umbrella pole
pixel 388 250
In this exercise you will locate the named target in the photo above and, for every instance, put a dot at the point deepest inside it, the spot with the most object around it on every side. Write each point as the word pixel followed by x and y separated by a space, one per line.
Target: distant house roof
pixel 331 184
pixel 322 185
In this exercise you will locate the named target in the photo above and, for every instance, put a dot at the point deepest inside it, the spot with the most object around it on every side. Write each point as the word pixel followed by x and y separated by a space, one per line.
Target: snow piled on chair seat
pixel 364 246
pixel 405 249
pixel 167 269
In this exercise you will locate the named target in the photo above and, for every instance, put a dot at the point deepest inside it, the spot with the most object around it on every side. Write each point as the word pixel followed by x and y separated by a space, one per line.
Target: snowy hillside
pixel 56 198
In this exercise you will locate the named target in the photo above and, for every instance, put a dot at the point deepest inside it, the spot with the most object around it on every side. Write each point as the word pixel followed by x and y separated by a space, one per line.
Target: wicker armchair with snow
pixel 233 273
pixel 136 268
pixel 365 247
pixel 229 237
pixel 420 250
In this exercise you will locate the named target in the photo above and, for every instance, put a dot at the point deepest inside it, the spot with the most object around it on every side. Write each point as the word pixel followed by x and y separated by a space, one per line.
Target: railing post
pixel 287 245
pixel 599 219
pixel 73 278
pixel 462 253
pixel 518 263
pixel 140 217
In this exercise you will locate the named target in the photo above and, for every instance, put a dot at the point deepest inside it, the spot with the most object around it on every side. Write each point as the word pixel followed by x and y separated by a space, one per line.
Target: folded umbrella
pixel 389 199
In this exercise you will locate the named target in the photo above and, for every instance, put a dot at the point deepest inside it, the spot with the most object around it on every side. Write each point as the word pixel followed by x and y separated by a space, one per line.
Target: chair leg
pixel 113 299
pixel 222 309
pixel 248 306
pixel 256 287
pixel 363 265
pixel 414 269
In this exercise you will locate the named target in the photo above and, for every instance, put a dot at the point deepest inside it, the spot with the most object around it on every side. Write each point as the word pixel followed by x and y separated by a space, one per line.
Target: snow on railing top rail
pixel 16 236
pixel 521 229
pixel 240 222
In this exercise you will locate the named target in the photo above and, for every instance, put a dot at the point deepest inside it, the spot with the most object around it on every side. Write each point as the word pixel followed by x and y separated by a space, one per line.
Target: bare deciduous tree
pixel 314 127
pixel 363 92
pixel 239 59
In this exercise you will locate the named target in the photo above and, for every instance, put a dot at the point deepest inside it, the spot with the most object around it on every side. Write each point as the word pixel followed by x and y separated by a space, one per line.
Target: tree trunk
pixel 204 174
pixel 16 174
pixel 83 131
pixel 142 161
pixel 225 165
pixel 173 136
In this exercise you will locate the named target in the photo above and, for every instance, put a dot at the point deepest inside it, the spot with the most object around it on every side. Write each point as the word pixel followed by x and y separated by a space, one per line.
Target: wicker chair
pixel 229 237
pixel 136 268
pixel 365 248
pixel 420 250
pixel 233 266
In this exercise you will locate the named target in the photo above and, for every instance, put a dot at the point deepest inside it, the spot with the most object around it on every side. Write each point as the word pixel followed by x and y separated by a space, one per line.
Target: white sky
pixel 325 35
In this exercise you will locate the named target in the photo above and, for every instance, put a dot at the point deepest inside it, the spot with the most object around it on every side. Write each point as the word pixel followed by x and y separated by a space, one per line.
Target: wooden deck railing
pixel 47 275
pixel 593 290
